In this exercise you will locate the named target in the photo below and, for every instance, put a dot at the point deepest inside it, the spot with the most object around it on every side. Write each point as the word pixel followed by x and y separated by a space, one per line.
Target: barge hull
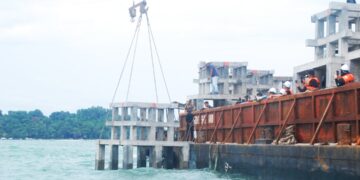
pixel 281 161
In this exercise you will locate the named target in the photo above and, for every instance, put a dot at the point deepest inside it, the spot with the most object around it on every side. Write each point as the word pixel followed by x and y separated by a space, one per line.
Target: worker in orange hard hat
pixel 343 76
pixel 310 82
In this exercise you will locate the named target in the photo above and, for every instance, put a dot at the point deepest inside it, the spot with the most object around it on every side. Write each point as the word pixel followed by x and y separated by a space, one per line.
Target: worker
pixel 351 1
pixel 272 93
pixel 189 108
pixel 259 97
pixel 214 76
pixel 207 105
pixel 286 88
pixel 343 76
pixel 310 82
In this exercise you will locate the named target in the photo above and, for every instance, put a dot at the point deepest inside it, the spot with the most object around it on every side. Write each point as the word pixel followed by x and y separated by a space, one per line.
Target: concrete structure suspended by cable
pixel 149 127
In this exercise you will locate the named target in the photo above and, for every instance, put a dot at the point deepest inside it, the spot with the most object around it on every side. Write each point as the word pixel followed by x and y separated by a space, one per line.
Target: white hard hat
pixel 272 90
pixel 345 67
pixel 287 84
pixel 282 91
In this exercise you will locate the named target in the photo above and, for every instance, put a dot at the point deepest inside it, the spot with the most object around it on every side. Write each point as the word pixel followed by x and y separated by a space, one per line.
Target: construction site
pixel 311 134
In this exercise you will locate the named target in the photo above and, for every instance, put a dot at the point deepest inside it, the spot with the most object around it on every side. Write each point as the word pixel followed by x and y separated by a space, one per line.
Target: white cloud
pixel 67 54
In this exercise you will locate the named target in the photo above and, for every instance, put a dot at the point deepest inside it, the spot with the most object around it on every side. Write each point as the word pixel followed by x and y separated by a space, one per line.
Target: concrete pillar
pixel 207 87
pixel 114 157
pixel 343 21
pixel 170 120
pixel 114 132
pixel 152 114
pixel 160 115
pixel 343 47
pixel 152 118
pixel 124 113
pixel 330 72
pixel 170 115
pixel 331 25
pixel 124 130
pixel 100 157
pixel 184 163
pixel 133 133
pixel 134 114
pixel 357 24
pixel 330 50
pixel 355 68
pixel 319 52
pixel 160 130
pixel 152 134
pixel 115 114
pixel 319 29
pixel 156 157
pixel 141 156
pixel 160 134
pixel 142 114
pixel 226 86
pixel 127 157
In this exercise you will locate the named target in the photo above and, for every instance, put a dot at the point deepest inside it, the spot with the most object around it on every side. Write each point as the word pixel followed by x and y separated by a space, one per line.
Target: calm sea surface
pixel 75 159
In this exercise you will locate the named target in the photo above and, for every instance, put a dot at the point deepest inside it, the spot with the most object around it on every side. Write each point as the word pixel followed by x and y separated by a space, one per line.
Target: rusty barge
pixel 228 136
pixel 315 115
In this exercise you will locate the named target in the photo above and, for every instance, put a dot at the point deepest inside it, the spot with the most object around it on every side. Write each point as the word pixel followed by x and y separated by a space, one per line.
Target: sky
pixel 63 55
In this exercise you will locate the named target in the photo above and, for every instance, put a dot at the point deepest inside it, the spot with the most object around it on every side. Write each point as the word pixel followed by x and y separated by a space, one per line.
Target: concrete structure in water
pixel 235 81
pixel 337 41
pixel 149 127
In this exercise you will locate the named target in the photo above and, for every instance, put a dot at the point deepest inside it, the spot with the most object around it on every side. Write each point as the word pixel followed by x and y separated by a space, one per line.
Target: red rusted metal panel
pixel 344 133
pixel 308 111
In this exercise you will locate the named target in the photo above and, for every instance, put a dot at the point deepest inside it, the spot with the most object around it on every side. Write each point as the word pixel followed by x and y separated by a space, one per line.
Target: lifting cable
pixel 158 57
pixel 132 45
pixel 126 59
pixel 152 58
pixel 132 64
pixel 152 45
pixel 136 34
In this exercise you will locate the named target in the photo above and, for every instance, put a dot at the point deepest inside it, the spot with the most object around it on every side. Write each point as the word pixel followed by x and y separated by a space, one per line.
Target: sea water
pixel 75 159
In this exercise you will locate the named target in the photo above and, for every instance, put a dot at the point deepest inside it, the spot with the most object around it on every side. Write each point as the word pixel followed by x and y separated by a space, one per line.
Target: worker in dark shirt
pixel 189 108
pixel 207 105
pixel 310 83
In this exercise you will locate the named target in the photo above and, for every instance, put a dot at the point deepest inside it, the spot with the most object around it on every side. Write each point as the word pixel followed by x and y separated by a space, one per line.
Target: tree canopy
pixel 85 123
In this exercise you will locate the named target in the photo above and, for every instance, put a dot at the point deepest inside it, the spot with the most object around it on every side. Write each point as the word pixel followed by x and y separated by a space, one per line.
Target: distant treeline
pixel 85 123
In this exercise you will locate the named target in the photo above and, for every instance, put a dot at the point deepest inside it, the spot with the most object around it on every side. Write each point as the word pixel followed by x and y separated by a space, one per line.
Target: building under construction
pixel 235 81
pixel 337 42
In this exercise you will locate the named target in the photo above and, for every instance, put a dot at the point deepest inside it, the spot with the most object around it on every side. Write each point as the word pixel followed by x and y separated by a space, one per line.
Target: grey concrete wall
pixel 280 162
